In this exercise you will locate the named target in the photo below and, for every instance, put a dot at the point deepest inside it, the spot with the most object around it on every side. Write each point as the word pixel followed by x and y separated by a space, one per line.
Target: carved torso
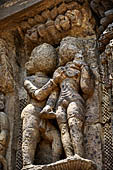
pixel 69 84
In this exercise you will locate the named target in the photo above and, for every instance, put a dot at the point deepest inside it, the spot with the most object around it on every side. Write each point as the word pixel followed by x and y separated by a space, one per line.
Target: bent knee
pixel 76 123
pixel 76 109
pixel 28 110
pixel 61 115
pixel 61 118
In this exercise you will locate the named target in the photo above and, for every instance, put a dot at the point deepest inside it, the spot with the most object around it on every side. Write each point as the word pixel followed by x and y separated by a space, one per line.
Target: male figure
pixel 76 84
pixel 42 63
pixel 4 134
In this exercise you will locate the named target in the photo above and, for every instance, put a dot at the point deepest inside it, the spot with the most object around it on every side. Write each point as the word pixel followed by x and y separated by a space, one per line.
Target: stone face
pixel 43 58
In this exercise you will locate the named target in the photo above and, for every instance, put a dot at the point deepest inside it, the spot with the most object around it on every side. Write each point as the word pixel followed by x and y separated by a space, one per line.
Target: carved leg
pixel 75 121
pixel 65 136
pixel 31 135
pixel 56 146
pixel 53 135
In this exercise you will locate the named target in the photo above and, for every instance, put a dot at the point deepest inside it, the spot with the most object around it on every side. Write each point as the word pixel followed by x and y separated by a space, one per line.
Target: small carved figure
pixel 4 134
pixel 4 138
pixel 76 83
pixel 42 63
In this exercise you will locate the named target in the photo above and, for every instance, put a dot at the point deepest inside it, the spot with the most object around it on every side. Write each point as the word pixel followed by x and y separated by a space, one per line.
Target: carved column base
pixel 71 163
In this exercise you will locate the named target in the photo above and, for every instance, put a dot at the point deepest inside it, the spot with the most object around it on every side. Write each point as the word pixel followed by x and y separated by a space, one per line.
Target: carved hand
pixel 85 70
pixel 79 63
pixel 46 109
pixel 30 87
pixel 58 75
pixel 47 113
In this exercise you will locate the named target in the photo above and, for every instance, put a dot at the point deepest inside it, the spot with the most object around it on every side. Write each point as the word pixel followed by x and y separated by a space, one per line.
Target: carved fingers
pixel 47 113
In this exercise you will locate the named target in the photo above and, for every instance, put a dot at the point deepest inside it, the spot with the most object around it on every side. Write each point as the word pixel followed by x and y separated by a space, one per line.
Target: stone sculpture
pixel 4 134
pixel 42 62
pixel 73 79
pixel 25 25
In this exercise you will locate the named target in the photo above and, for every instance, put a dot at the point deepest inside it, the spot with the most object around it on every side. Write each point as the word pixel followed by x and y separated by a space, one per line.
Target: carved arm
pixel 52 99
pixel 42 93
pixel 87 82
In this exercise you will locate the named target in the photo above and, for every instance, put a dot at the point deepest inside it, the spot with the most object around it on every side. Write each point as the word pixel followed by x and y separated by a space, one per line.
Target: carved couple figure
pixel 75 82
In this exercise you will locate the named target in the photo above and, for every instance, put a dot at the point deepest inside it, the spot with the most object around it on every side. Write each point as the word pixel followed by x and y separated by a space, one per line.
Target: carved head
pixel 43 59
pixel 66 53
pixel 67 50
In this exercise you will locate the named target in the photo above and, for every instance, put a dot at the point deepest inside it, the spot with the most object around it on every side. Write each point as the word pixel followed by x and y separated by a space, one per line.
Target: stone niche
pixel 34 35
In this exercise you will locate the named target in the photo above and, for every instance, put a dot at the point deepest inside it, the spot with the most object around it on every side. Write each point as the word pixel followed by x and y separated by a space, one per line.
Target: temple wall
pixel 49 21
